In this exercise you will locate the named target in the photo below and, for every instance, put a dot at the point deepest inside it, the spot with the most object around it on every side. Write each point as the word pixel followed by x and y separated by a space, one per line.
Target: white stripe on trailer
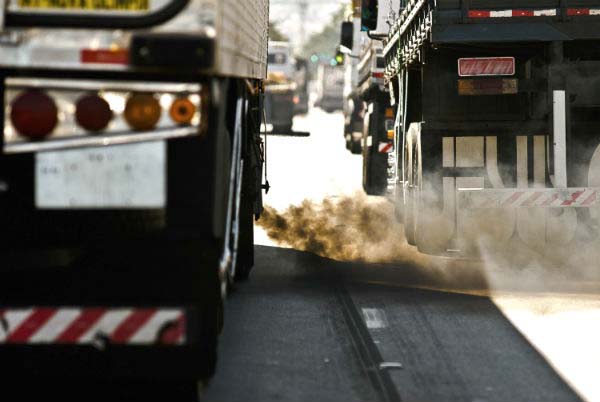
pixel 551 12
pixel 501 14
pixel 149 332
pixel 12 319
pixel 55 326
pixel 106 326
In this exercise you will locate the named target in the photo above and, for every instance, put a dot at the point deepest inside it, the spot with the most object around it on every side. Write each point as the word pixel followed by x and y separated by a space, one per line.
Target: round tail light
pixel 93 113
pixel 142 112
pixel 182 111
pixel 34 114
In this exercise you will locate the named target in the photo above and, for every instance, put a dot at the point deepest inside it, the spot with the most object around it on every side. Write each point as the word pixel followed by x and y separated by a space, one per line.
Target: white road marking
pixel 375 318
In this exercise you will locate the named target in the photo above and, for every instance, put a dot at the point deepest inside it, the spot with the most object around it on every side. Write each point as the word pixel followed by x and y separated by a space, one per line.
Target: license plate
pixel 123 176
pixel 99 5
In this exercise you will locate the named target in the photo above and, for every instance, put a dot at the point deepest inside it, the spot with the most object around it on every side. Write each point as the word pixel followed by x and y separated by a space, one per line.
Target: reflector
pixel 142 112
pixel 93 113
pixel 182 111
pixel 34 114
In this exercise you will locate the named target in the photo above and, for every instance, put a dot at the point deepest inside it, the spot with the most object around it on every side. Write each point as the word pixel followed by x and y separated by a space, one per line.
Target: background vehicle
pixel 280 87
pixel 131 146
pixel 370 90
pixel 497 126
pixel 330 87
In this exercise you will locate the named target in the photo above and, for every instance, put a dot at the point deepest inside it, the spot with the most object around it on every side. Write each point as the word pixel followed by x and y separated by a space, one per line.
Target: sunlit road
pixel 310 328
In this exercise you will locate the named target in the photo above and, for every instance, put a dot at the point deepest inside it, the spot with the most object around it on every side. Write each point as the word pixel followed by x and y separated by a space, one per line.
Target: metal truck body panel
pixel 229 33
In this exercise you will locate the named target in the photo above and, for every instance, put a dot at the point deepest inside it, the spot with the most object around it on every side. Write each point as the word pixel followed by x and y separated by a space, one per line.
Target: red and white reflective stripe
pixel 385 147
pixel 514 198
pixel 548 12
pixel 488 66
pixel 130 326
pixel 583 11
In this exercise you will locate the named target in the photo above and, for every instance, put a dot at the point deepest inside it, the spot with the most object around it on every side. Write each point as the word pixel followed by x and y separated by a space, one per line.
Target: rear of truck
pixel 129 178
pixel 280 88
pixel 497 128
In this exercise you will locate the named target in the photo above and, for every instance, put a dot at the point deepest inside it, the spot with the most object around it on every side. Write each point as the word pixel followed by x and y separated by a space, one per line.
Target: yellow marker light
pixel 390 134
pixel 142 112
pixel 389 112
pixel 182 111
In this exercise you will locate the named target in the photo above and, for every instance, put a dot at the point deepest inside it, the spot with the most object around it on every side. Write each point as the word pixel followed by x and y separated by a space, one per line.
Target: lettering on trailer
pixel 125 326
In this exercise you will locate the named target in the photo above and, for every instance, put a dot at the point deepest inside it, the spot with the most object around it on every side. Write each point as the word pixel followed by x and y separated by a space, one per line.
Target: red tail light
pixel 34 114
pixel 93 113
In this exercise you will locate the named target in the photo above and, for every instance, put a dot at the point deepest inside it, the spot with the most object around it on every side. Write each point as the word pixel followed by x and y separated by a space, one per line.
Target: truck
pixel 330 87
pixel 280 89
pixel 378 114
pixel 130 176
pixel 496 130
pixel 302 78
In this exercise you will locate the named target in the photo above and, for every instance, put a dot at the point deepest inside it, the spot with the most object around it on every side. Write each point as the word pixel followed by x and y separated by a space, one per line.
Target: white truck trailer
pixel 130 173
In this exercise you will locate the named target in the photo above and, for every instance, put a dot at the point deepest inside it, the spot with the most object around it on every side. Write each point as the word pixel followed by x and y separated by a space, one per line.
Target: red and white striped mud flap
pixel 385 147
pixel 92 326
pixel 529 198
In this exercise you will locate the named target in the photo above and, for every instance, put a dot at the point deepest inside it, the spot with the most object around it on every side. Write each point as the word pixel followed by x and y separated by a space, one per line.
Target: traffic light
pixel 339 58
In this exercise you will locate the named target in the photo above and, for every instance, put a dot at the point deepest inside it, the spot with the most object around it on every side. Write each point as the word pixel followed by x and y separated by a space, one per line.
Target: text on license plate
pixel 122 176
pixel 112 5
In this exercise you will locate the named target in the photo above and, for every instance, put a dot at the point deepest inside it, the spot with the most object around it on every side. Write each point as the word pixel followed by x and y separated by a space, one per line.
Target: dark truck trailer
pixel 497 123
pixel 130 167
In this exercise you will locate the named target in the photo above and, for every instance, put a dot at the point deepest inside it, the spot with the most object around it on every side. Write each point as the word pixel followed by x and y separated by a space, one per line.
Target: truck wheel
pixel 429 224
pixel 355 147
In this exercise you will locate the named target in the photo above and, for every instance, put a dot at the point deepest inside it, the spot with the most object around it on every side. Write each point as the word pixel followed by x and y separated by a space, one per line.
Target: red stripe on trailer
pixel 174 333
pixel 479 14
pixel 31 325
pixel 578 11
pixel 588 201
pixel 522 13
pixel 131 325
pixel 574 198
pixel 513 198
pixel 104 56
pixel 81 325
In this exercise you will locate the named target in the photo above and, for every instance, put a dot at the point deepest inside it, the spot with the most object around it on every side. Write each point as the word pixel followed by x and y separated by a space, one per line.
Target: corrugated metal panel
pixel 243 31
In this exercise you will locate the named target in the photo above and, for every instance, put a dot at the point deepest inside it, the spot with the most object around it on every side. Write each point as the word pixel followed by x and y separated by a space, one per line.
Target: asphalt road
pixel 308 328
